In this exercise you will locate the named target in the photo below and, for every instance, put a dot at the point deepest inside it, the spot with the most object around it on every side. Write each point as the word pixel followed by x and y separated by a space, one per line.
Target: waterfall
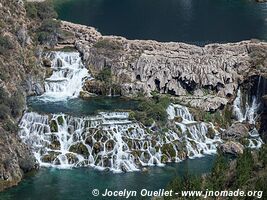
pixel 67 78
pixel 247 112
pixel 110 141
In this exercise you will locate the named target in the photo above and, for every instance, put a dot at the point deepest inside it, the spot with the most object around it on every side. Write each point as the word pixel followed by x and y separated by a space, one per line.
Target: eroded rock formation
pixel 211 73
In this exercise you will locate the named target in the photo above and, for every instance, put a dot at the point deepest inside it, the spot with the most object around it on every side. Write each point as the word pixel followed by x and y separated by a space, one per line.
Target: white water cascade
pixel 245 112
pixel 110 141
pixel 68 76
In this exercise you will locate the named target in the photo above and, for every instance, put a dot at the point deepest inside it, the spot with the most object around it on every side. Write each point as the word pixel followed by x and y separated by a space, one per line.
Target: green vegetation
pixel 10 108
pixel 41 10
pixel 104 75
pixel 48 32
pixel 248 172
pixel 44 14
pixel 185 183
pixel 108 44
pixel 221 118
pixel 244 168
pixel 152 110
pixel 5 45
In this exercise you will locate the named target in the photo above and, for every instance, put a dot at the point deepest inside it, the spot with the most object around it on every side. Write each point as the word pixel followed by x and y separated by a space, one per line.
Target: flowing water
pixel 191 21
pixel 112 141
pixel 246 110
pixel 67 77
pixel 81 147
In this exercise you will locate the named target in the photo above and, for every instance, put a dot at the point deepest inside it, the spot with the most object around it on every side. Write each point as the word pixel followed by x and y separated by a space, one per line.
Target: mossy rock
pixel 130 144
pixel 48 72
pixel 55 144
pixel 49 158
pixel 168 150
pixel 72 158
pixel 136 153
pixel 164 158
pixel 97 147
pixel 109 145
pixel 211 133
pixel 130 129
pixel 60 120
pixel 153 143
pixel 79 148
pixel 145 145
pixel 178 119
pixel 53 126
pixel 148 121
pixel 89 141
pixel 99 134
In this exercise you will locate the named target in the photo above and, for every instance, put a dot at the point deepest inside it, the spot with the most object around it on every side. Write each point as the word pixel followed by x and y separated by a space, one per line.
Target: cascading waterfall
pixel 247 112
pixel 68 76
pixel 111 141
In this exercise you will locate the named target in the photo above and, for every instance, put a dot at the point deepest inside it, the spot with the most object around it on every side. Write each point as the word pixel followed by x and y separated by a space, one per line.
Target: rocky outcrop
pixel 20 75
pixel 179 69
pixel 230 147
pixel 236 131
pixel 15 160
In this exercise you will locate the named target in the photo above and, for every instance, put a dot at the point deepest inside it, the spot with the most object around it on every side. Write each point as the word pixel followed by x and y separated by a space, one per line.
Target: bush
pixel 184 183
pixel 5 44
pixel 217 177
pixel 244 168
pixel 31 10
pixel 104 75
pixel 42 10
pixel 16 103
pixel 263 155
pixel 108 44
pixel 153 109
pixel 4 111
pixel 3 96
pixel 10 126
pixel 48 32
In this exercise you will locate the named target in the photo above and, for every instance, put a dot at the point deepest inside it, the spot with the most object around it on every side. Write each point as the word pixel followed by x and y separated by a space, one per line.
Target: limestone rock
pixel 236 131
pixel 230 147
pixel 175 68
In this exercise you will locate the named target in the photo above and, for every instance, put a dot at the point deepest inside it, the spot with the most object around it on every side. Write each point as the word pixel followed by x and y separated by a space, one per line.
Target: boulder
pixel 236 131
pixel 231 147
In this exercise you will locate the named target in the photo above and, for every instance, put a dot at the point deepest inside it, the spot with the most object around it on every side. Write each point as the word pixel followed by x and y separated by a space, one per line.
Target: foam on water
pixel 245 112
pixel 112 141
pixel 67 78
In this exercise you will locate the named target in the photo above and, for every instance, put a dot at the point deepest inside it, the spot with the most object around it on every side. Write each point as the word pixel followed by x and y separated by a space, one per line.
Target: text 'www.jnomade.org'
pixel 170 193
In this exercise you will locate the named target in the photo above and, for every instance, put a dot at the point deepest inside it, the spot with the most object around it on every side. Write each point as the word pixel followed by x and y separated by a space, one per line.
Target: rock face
pixel 230 147
pixel 236 131
pixel 20 75
pixel 15 160
pixel 174 68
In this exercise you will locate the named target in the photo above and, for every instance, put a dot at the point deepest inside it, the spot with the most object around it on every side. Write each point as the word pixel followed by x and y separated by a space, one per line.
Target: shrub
pixel 31 10
pixel 244 168
pixel 263 155
pixel 5 44
pixel 48 32
pixel 108 44
pixel 104 75
pixel 184 183
pixel 4 111
pixel 10 126
pixel 42 10
pixel 217 177
pixel 16 103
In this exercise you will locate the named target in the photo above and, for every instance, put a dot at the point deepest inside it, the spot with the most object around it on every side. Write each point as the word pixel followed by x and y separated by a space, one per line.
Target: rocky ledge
pixel 204 77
